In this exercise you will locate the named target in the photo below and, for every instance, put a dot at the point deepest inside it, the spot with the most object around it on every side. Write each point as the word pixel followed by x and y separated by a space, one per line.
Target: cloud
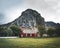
pixel 49 9
pixel 9 8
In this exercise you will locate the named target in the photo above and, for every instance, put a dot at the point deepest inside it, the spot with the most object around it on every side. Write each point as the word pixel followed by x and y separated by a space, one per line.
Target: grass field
pixel 30 43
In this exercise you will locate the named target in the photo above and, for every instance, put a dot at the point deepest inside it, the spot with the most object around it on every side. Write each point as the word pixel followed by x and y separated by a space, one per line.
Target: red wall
pixel 28 35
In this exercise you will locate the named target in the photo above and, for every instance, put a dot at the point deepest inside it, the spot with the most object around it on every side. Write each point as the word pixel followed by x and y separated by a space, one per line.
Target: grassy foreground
pixel 30 43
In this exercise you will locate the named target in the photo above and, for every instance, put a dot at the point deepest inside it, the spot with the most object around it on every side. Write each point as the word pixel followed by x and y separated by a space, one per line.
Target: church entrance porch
pixel 29 35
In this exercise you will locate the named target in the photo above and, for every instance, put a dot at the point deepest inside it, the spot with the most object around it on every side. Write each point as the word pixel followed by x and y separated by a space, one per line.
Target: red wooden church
pixel 28 32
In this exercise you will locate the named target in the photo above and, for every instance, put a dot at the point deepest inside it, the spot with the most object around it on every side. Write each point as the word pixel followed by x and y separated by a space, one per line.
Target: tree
pixel 51 32
pixel 16 30
pixel 41 30
pixel 3 31
pixel 57 31
pixel 9 32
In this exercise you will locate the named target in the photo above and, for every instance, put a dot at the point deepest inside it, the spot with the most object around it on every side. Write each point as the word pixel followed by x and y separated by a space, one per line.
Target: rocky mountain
pixel 52 24
pixel 31 18
pixel 28 19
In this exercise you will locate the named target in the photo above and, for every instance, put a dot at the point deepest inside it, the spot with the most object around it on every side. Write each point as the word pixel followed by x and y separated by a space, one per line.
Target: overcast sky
pixel 11 9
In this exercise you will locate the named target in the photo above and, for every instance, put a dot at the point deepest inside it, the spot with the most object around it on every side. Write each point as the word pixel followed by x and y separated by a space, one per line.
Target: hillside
pixel 28 18
pixel 52 24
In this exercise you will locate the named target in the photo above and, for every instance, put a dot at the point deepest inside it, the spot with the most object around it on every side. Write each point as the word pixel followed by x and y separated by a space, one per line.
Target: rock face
pixel 29 18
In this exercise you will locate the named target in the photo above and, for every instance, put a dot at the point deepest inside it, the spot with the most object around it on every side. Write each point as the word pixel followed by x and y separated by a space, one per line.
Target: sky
pixel 12 9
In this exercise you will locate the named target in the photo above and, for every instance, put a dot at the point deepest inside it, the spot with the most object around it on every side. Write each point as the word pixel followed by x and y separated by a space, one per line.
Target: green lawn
pixel 30 43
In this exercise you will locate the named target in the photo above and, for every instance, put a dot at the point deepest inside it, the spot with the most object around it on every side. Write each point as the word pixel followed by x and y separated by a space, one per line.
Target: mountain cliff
pixel 52 24
pixel 29 18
